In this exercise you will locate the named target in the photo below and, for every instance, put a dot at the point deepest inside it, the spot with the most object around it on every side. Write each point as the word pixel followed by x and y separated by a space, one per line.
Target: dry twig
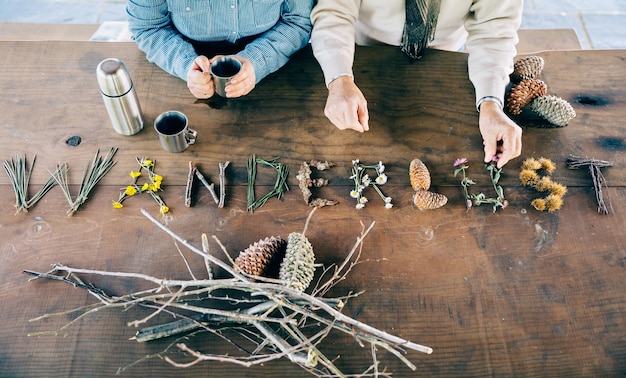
pixel 222 183
pixel 278 321
pixel 597 178
pixel 210 187
pixel 189 186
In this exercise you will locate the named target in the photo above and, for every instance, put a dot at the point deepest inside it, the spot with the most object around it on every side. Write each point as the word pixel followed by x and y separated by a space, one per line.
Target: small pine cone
pixel 298 266
pixel 523 93
pixel 554 109
pixel 419 175
pixel 258 257
pixel 425 200
pixel 528 67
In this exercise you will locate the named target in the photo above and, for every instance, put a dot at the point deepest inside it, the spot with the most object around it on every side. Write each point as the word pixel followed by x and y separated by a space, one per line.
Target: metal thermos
pixel 119 96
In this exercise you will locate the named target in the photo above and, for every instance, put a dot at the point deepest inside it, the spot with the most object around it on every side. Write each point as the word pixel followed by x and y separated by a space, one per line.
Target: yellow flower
pixel 145 187
pixel 157 178
pixel 117 205
pixel 134 174
pixel 157 185
pixel 539 204
pixel 531 164
pixel 164 209
pixel 547 164
pixel 130 190
pixel 528 177
pixel 558 189
pixel 553 202
pixel 147 163
pixel 545 183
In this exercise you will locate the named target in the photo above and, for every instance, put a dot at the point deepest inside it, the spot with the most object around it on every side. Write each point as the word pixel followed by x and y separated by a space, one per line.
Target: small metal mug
pixel 223 69
pixel 174 132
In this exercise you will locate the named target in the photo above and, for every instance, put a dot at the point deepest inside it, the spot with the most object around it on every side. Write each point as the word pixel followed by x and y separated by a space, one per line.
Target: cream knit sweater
pixel 486 28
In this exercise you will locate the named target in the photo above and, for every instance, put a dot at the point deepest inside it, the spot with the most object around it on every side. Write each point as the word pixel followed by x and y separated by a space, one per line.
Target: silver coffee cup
pixel 223 69
pixel 174 132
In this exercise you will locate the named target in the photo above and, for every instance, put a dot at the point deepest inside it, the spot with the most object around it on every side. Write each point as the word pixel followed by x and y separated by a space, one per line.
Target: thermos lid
pixel 113 77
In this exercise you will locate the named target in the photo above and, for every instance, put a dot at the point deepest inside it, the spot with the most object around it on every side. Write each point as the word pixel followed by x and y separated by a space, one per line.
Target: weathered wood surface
pixel 517 292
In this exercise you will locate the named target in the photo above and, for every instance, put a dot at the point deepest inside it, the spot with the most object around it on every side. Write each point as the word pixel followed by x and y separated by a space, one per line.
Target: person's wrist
pixel 340 80
pixel 490 101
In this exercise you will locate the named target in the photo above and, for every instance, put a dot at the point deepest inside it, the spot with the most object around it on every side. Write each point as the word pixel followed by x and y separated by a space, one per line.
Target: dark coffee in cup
pixel 172 123
pixel 226 68
pixel 223 69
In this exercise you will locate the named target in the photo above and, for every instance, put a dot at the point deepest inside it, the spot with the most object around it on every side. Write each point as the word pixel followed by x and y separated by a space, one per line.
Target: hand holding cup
pixel 235 84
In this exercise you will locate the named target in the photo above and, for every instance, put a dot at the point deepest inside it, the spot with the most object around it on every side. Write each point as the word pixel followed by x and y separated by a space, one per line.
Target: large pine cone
pixel 258 258
pixel 554 109
pixel 298 266
pixel 528 67
pixel 419 175
pixel 523 93
pixel 425 200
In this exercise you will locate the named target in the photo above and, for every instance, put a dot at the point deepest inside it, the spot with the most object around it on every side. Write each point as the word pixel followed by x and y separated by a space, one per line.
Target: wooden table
pixel 512 293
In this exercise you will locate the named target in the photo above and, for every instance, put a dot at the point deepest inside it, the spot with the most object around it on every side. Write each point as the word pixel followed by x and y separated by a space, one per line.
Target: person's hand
pixel 199 78
pixel 346 106
pixel 242 83
pixel 502 137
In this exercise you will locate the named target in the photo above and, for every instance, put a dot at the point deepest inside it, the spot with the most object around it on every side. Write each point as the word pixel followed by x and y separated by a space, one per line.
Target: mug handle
pixel 191 135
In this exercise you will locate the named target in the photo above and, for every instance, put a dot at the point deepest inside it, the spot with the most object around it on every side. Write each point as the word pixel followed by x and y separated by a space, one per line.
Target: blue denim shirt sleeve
pixel 161 28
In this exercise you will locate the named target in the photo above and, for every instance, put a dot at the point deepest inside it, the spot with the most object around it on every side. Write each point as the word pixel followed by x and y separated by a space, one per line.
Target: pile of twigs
pixel 277 321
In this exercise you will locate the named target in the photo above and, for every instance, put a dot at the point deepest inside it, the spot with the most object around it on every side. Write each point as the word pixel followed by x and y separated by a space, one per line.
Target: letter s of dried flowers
pixel 530 177
pixel 480 198
pixel 152 187
pixel 362 181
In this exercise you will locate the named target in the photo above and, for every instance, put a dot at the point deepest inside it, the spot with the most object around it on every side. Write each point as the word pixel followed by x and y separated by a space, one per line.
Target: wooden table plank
pixel 517 292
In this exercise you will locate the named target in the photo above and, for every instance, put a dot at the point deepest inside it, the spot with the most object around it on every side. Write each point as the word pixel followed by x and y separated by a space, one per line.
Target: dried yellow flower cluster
pixel 529 176
pixel 152 187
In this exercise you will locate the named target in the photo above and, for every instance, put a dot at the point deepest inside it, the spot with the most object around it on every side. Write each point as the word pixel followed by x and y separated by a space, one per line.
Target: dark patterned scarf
pixel 419 28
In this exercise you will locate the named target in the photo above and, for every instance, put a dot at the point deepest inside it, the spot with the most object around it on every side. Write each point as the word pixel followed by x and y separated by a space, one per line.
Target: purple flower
pixel 468 203
pixel 460 161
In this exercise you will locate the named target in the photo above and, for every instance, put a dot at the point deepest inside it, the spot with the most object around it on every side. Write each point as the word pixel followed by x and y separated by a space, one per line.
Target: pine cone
pixel 258 258
pixel 554 109
pixel 425 200
pixel 523 93
pixel 297 268
pixel 419 175
pixel 528 67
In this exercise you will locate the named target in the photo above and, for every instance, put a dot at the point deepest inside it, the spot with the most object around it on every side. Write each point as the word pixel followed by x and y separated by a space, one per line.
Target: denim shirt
pixel 159 28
